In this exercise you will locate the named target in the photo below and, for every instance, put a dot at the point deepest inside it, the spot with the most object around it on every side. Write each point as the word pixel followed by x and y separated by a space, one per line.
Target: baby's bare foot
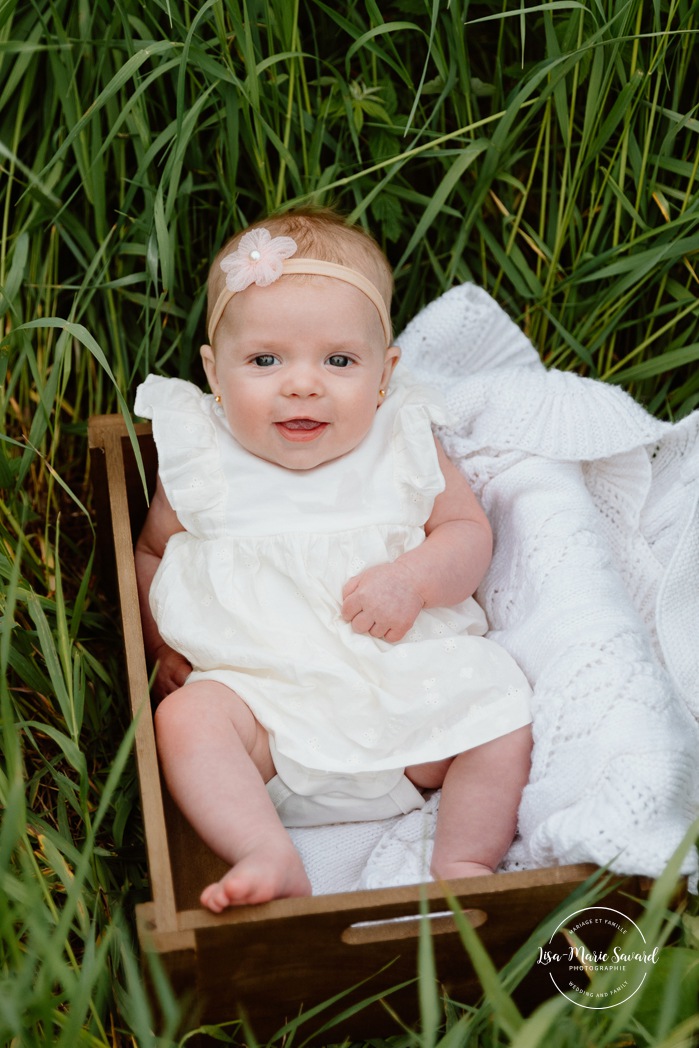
pixel 453 870
pixel 269 871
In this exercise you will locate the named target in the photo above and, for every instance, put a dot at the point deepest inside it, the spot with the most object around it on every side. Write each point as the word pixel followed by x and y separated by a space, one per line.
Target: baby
pixel 306 573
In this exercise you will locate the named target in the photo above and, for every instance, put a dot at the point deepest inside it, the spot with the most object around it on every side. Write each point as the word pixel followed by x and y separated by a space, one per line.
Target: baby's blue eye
pixel 265 360
pixel 339 360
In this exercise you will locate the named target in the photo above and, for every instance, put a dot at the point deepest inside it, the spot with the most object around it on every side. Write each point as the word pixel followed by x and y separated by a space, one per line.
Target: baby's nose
pixel 303 380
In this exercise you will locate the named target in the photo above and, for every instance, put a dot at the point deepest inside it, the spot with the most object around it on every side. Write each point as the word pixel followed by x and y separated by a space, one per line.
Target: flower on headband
pixel 257 259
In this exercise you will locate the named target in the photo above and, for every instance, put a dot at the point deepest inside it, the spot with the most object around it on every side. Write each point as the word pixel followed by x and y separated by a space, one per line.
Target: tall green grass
pixel 547 151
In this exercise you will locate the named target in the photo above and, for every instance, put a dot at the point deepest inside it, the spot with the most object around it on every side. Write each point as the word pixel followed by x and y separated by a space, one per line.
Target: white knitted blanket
pixel 593 588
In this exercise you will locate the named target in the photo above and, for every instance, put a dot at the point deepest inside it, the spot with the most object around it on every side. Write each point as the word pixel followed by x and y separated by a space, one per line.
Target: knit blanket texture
pixel 593 588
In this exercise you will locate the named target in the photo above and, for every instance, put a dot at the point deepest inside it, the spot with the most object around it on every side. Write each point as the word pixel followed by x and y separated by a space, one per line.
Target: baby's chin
pixel 301 458
pixel 300 463
pixel 300 450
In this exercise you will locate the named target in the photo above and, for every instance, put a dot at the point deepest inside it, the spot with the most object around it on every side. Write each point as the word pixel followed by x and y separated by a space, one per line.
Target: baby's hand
pixel 172 671
pixel 382 601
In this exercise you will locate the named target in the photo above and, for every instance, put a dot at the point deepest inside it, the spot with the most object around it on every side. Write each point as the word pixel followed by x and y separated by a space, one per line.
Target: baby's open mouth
pixel 302 423
pixel 301 428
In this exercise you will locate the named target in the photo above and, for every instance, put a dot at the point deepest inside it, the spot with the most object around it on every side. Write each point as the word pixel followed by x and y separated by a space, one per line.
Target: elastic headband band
pixel 261 259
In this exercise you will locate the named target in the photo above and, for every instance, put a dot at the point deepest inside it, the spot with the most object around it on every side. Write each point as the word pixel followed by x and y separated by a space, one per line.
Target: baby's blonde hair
pixel 320 233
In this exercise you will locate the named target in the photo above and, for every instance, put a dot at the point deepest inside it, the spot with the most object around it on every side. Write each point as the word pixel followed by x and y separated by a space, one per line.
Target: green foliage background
pixel 548 152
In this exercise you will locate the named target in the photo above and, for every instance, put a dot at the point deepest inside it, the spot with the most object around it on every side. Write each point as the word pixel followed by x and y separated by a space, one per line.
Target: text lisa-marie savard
pixel 587 957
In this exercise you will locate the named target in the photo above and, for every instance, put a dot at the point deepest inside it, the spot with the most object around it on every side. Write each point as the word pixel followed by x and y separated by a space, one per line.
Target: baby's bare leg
pixel 478 808
pixel 216 761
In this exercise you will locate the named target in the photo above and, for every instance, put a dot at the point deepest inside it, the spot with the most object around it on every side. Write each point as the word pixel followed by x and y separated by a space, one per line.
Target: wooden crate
pixel 278 959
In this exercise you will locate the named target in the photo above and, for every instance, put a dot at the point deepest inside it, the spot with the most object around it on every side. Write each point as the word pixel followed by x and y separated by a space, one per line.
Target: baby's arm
pixel 445 569
pixel 160 524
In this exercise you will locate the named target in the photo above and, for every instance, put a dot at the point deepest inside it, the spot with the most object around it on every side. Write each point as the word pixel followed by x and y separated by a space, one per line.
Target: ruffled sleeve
pixel 418 408
pixel 186 439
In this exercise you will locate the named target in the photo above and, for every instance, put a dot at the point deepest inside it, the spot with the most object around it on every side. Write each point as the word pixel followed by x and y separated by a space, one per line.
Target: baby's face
pixel 299 366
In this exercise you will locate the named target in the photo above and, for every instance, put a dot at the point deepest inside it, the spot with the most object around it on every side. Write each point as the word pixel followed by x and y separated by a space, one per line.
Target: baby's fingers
pixel 352 604
pixel 350 586
pixel 172 672
pixel 395 634
pixel 364 623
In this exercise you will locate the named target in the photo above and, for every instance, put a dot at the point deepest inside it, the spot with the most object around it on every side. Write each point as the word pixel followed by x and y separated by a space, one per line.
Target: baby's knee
pixel 173 714
pixel 210 710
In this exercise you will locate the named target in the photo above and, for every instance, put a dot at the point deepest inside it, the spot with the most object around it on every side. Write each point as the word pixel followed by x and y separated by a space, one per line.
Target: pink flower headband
pixel 261 259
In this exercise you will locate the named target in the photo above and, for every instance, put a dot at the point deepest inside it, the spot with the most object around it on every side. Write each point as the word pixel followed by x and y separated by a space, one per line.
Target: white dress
pixel 250 593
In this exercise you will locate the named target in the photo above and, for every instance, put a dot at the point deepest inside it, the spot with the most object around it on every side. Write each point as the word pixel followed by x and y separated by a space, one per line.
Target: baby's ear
pixel 392 358
pixel 209 361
